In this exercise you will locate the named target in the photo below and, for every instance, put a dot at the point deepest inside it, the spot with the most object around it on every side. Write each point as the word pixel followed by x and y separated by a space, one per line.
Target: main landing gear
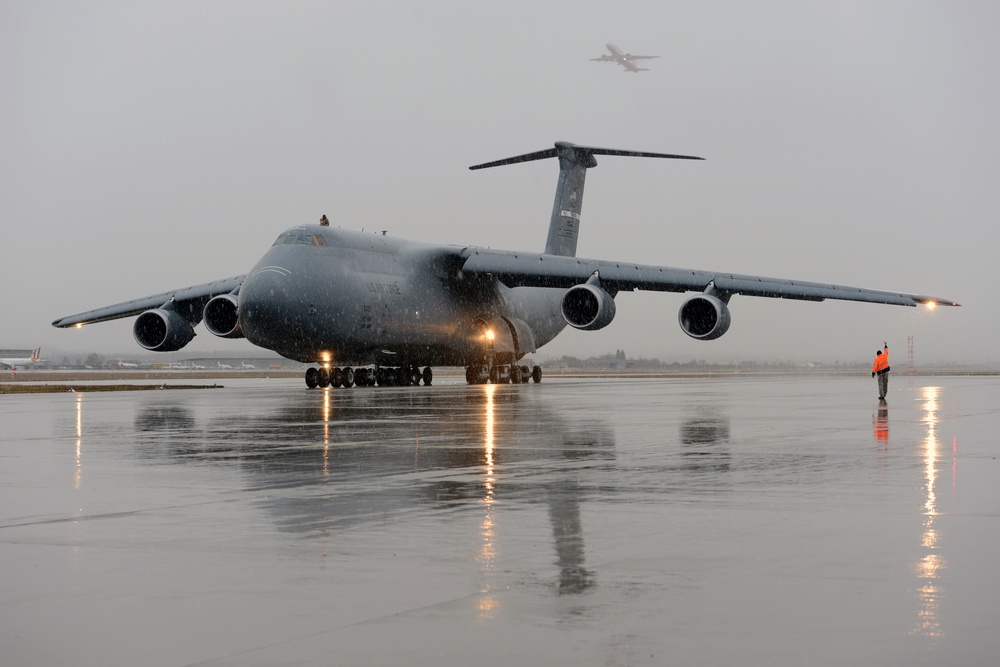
pixel 404 376
pixel 502 374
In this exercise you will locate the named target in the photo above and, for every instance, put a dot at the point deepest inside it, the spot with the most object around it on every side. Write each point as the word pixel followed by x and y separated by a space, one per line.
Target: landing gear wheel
pixel 525 374
pixel 427 376
pixel 312 378
pixel 323 377
pixel 336 377
pixel 413 376
pixel 349 377
pixel 515 374
pixel 477 374
pixel 536 374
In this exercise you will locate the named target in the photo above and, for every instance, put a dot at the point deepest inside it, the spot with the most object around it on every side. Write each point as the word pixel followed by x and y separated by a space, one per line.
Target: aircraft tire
pixel 336 377
pixel 312 378
pixel 515 374
pixel 470 377
pixel 536 374
pixel 323 378
pixel 525 374
pixel 427 376
pixel 413 375
pixel 349 377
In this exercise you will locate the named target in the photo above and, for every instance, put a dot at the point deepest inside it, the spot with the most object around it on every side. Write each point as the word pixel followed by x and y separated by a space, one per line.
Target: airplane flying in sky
pixel 346 300
pixel 13 363
pixel 626 60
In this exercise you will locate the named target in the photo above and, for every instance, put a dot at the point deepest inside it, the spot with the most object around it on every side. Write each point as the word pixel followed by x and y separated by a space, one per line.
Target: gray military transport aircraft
pixel 372 309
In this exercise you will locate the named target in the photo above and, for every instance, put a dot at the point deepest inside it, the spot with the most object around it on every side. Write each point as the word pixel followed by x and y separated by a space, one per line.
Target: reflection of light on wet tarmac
pixel 326 432
pixel 78 477
pixel 929 567
pixel 488 604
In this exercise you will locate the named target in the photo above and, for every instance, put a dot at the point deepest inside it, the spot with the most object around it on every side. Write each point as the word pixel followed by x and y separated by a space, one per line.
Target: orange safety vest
pixel 881 363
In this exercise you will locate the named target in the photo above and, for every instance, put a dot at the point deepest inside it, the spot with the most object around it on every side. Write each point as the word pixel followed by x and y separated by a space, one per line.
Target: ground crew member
pixel 880 368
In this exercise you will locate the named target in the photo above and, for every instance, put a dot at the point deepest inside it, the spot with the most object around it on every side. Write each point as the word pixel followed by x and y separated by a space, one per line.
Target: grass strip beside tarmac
pixel 64 388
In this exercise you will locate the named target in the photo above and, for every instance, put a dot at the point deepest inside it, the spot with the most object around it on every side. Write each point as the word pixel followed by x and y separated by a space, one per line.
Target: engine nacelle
pixel 222 317
pixel 588 307
pixel 162 330
pixel 704 317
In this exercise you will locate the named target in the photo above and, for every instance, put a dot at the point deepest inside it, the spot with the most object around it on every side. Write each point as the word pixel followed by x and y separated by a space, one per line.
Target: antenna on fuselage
pixel 574 161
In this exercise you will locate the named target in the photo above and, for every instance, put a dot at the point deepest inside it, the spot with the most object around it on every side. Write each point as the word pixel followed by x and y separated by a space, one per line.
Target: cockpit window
pixel 292 238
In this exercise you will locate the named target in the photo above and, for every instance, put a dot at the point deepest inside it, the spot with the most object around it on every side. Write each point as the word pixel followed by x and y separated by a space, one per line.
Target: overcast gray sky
pixel 148 146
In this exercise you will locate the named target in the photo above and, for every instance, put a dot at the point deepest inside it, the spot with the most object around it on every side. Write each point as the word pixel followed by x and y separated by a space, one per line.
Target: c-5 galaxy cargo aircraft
pixel 371 309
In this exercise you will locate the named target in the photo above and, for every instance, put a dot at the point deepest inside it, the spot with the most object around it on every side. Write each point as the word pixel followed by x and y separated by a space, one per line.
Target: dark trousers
pixel 883 384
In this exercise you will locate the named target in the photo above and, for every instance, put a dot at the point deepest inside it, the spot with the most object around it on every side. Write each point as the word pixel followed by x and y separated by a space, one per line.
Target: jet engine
pixel 222 316
pixel 162 330
pixel 704 317
pixel 588 307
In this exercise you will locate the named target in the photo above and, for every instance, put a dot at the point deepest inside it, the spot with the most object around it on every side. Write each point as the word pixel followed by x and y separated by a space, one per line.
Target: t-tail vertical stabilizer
pixel 574 161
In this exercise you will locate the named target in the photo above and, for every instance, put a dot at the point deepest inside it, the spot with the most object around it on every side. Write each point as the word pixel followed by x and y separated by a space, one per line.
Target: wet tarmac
pixel 777 521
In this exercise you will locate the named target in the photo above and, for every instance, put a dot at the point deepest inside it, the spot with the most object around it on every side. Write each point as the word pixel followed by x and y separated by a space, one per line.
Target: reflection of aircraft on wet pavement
pixel 382 461
pixel 400 305
pixel 626 60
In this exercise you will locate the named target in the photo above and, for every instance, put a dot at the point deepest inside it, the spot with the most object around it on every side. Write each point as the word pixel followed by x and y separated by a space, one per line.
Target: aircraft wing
pixel 631 57
pixel 518 269
pixel 193 299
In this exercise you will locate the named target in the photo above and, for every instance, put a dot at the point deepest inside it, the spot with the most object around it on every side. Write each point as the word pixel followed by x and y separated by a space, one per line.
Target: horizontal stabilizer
pixel 580 152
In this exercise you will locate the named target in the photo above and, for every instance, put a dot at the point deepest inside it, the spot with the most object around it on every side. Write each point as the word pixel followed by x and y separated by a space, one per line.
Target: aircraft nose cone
pixel 271 312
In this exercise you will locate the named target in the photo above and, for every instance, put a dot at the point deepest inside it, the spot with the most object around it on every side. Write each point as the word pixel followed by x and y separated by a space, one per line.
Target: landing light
pixel 931 305
pixel 79 325
pixel 489 334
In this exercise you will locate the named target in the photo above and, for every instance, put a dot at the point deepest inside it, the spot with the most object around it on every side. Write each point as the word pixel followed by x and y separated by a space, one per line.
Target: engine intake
pixel 162 330
pixel 588 307
pixel 222 317
pixel 704 317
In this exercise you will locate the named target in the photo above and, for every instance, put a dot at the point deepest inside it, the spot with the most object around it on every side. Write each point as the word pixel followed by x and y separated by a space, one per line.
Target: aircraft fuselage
pixel 352 298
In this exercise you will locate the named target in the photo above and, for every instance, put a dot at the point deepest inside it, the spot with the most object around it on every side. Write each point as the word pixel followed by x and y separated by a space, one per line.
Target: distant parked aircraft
pixel 224 367
pixel 12 363
pixel 623 59
pixel 248 367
